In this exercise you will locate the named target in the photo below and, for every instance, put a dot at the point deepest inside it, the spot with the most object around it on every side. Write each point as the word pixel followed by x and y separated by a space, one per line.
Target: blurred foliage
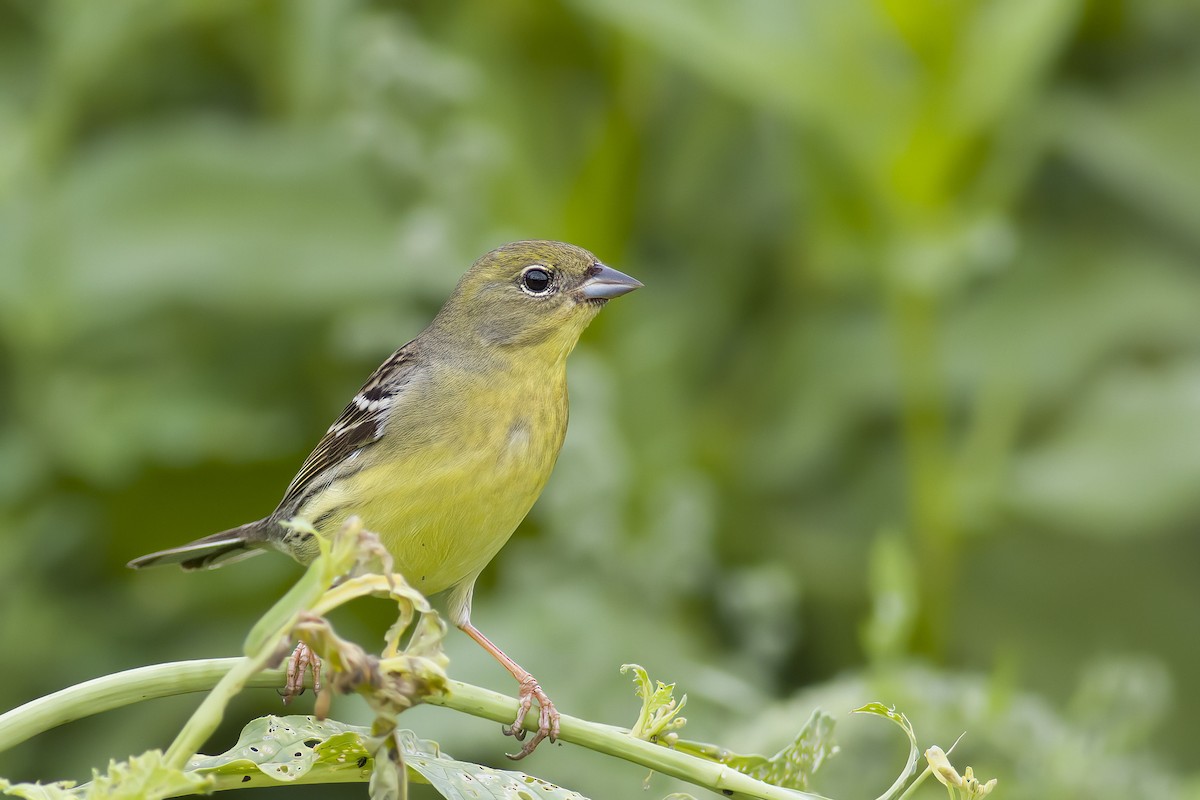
pixel 920 267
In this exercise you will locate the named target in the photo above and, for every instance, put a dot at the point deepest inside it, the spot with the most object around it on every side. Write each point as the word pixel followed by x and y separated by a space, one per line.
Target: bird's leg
pixel 530 690
pixel 300 661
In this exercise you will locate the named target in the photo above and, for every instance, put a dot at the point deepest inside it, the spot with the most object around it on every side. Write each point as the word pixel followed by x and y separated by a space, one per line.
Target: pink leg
pixel 530 690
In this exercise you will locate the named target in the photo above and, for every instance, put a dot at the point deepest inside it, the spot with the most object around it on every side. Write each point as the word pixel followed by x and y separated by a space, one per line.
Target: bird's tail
pixel 212 551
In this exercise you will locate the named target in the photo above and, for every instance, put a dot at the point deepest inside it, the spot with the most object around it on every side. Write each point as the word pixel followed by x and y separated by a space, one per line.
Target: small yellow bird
pixel 447 446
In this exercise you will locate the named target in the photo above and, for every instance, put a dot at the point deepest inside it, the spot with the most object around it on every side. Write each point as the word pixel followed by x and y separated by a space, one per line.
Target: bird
pixel 449 443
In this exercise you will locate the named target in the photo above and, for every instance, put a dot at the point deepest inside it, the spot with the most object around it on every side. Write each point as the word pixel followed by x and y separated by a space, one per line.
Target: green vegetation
pixel 299 750
pixel 907 410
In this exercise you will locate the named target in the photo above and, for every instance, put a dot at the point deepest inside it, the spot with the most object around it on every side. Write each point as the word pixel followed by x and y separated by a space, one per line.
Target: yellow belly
pixel 445 508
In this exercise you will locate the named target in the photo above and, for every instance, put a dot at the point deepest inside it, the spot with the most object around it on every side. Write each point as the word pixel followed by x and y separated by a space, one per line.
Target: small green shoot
pixel 659 714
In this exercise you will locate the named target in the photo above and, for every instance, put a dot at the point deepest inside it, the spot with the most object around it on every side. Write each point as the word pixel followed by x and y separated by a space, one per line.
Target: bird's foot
pixel 300 661
pixel 547 718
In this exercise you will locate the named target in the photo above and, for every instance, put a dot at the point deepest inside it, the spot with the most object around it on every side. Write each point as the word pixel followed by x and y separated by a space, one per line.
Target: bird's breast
pixel 450 483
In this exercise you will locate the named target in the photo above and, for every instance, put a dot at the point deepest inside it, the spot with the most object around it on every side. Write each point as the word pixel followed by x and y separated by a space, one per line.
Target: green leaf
pixel 1146 415
pixel 38 791
pixel 913 752
pixel 791 768
pixel 1005 51
pixel 289 748
pixel 286 748
pixel 144 777
pixel 1138 144
pixel 462 780
pixel 775 54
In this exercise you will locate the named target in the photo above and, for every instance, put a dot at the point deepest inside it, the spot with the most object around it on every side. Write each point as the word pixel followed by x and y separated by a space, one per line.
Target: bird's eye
pixel 536 281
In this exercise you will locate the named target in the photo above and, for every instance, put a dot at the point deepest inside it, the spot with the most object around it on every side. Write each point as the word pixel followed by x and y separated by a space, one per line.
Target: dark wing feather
pixel 359 425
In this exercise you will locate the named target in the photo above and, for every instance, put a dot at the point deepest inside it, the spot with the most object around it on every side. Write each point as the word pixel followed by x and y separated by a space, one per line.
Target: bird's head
pixel 537 294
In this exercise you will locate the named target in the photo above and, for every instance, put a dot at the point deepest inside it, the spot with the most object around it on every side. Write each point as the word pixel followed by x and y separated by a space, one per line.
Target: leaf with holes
pixel 287 748
pixel 462 780
pixel 792 767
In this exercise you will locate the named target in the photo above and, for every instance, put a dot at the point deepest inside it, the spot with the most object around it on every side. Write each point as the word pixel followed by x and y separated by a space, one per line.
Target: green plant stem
pixel 914 314
pixel 617 742
pixel 114 691
pixel 261 645
pixel 912 787
pixel 162 680
pixel 208 714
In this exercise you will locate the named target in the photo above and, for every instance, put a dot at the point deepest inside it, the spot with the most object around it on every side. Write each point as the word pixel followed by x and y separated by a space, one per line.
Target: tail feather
pixel 212 551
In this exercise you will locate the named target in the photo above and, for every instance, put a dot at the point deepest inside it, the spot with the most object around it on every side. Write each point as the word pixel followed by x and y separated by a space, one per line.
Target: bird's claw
pixel 300 661
pixel 548 718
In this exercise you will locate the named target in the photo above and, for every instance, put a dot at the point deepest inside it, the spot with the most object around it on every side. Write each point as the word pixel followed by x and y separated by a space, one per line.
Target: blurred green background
pixel 909 409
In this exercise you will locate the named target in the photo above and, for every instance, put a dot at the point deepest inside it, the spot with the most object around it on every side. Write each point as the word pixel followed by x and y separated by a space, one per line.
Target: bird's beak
pixel 605 283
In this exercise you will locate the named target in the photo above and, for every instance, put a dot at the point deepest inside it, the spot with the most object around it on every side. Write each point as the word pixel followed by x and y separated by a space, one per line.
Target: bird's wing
pixel 359 425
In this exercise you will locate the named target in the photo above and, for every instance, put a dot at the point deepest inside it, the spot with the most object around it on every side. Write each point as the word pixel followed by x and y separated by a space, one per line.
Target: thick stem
pixel 162 680
pixel 915 320
pixel 117 690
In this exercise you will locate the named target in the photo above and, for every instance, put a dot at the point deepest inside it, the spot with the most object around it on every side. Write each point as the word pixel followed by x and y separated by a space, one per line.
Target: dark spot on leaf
pixel 727 792
pixel 362 762
pixel 245 778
